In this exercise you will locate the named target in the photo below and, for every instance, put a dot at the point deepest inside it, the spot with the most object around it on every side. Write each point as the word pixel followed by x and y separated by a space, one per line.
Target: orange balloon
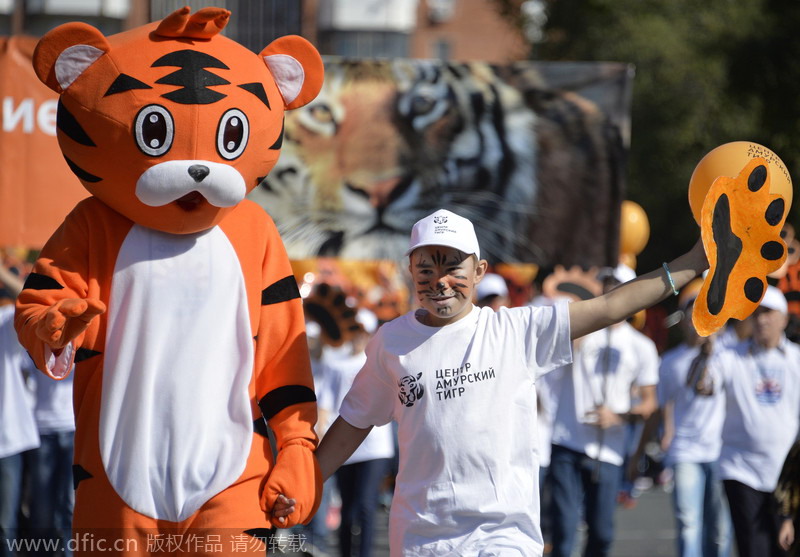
pixel 639 319
pixel 634 228
pixel 728 160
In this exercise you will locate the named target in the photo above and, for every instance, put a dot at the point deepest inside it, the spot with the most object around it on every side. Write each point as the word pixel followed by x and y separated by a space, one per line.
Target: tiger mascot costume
pixel 170 294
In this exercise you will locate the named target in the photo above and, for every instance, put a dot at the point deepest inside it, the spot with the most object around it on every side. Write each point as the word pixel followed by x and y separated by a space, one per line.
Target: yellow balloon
pixel 728 160
pixel 634 228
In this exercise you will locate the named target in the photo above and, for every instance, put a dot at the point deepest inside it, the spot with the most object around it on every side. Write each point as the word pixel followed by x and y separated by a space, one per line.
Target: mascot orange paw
pixel 65 320
pixel 296 476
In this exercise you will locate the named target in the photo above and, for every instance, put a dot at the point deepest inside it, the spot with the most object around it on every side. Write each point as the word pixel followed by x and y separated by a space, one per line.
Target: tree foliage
pixel 707 72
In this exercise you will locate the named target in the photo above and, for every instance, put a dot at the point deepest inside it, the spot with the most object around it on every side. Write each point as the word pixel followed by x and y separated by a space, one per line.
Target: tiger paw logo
pixel 440 220
pixel 741 235
pixel 410 390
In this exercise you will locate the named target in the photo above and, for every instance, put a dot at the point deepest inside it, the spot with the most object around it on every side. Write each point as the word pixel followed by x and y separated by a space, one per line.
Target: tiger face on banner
pixel 388 141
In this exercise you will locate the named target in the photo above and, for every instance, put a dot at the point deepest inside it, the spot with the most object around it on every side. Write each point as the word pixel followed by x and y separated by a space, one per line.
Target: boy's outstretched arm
pixel 339 442
pixel 591 315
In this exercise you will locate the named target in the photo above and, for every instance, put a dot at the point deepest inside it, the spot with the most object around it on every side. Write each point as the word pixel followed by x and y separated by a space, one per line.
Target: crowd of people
pixel 436 416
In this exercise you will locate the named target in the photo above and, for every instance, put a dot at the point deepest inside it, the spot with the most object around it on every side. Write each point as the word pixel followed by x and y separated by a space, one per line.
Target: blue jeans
pixel 317 529
pixel 52 493
pixel 359 485
pixel 701 515
pixel 10 496
pixel 579 483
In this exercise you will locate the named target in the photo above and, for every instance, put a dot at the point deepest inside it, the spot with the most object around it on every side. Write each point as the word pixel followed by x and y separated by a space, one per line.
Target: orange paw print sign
pixel 740 194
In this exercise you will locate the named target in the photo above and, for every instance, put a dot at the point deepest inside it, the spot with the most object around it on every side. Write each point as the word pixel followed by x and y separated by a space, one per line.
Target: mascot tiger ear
pixel 297 68
pixel 66 52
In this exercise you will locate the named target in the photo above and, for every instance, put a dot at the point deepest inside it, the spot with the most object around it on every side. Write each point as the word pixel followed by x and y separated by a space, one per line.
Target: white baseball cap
pixel 491 285
pixel 444 228
pixel 775 300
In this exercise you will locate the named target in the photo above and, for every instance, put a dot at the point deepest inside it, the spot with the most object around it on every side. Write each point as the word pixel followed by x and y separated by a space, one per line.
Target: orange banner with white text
pixel 37 189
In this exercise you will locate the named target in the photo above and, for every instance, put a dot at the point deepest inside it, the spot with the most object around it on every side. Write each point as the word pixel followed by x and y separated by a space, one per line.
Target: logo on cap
pixel 440 219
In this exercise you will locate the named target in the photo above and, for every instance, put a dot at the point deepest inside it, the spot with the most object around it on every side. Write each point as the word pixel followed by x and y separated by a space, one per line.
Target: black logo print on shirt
pixel 410 390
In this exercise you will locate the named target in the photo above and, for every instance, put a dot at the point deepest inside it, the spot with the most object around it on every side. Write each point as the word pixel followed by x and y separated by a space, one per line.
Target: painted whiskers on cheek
pixel 460 285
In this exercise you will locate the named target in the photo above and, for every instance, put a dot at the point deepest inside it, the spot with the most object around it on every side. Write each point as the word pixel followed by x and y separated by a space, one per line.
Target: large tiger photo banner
pixel 533 153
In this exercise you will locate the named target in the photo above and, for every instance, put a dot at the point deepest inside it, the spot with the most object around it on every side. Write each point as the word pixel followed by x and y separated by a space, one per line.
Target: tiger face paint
pixel 445 280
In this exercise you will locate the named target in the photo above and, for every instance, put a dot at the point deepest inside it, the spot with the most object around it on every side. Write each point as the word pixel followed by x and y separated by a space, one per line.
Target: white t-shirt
pixel 54 404
pixel 340 369
pixel 762 391
pixel 464 399
pixel 697 417
pixel 608 365
pixel 17 424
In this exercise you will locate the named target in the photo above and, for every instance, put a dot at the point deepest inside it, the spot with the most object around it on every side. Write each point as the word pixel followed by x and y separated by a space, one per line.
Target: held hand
pixel 283 508
pixel 296 472
pixel 66 319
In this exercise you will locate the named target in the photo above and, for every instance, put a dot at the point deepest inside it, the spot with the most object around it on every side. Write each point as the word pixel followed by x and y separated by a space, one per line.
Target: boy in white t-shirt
pixel 459 381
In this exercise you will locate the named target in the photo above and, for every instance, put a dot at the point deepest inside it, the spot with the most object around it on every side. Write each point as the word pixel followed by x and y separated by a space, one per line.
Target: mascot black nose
pixel 198 172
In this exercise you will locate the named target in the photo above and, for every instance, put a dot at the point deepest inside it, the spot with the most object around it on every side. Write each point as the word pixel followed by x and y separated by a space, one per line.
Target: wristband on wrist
pixel 669 279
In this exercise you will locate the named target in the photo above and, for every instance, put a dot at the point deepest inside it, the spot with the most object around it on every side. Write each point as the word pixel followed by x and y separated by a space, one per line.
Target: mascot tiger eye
pixel 167 294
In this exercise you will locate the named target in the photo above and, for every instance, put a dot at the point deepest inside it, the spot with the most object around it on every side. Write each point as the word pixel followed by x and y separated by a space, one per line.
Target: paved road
pixel 647 530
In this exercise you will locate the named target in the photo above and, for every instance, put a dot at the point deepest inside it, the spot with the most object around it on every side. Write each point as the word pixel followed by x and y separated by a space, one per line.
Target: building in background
pixel 459 30
pixel 36 17
pixel 445 29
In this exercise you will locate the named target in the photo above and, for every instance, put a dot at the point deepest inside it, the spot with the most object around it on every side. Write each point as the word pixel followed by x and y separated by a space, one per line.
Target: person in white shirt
pixel 492 291
pixel 761 379
pixel 734 332
pixel 18 431
pixel 692 405
pixel 459 381
pixel 590 441
pixel 52 494
pixel 359 478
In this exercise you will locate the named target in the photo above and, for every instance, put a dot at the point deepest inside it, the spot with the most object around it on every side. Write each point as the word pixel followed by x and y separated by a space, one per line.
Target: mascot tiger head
pixel 172 124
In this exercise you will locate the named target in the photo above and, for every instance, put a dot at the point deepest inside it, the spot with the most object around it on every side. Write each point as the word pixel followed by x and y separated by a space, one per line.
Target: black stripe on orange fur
pixel 280 291
pixel 283 397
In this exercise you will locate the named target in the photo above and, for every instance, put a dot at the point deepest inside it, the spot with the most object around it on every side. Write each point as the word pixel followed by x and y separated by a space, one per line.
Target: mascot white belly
pixel 175 422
